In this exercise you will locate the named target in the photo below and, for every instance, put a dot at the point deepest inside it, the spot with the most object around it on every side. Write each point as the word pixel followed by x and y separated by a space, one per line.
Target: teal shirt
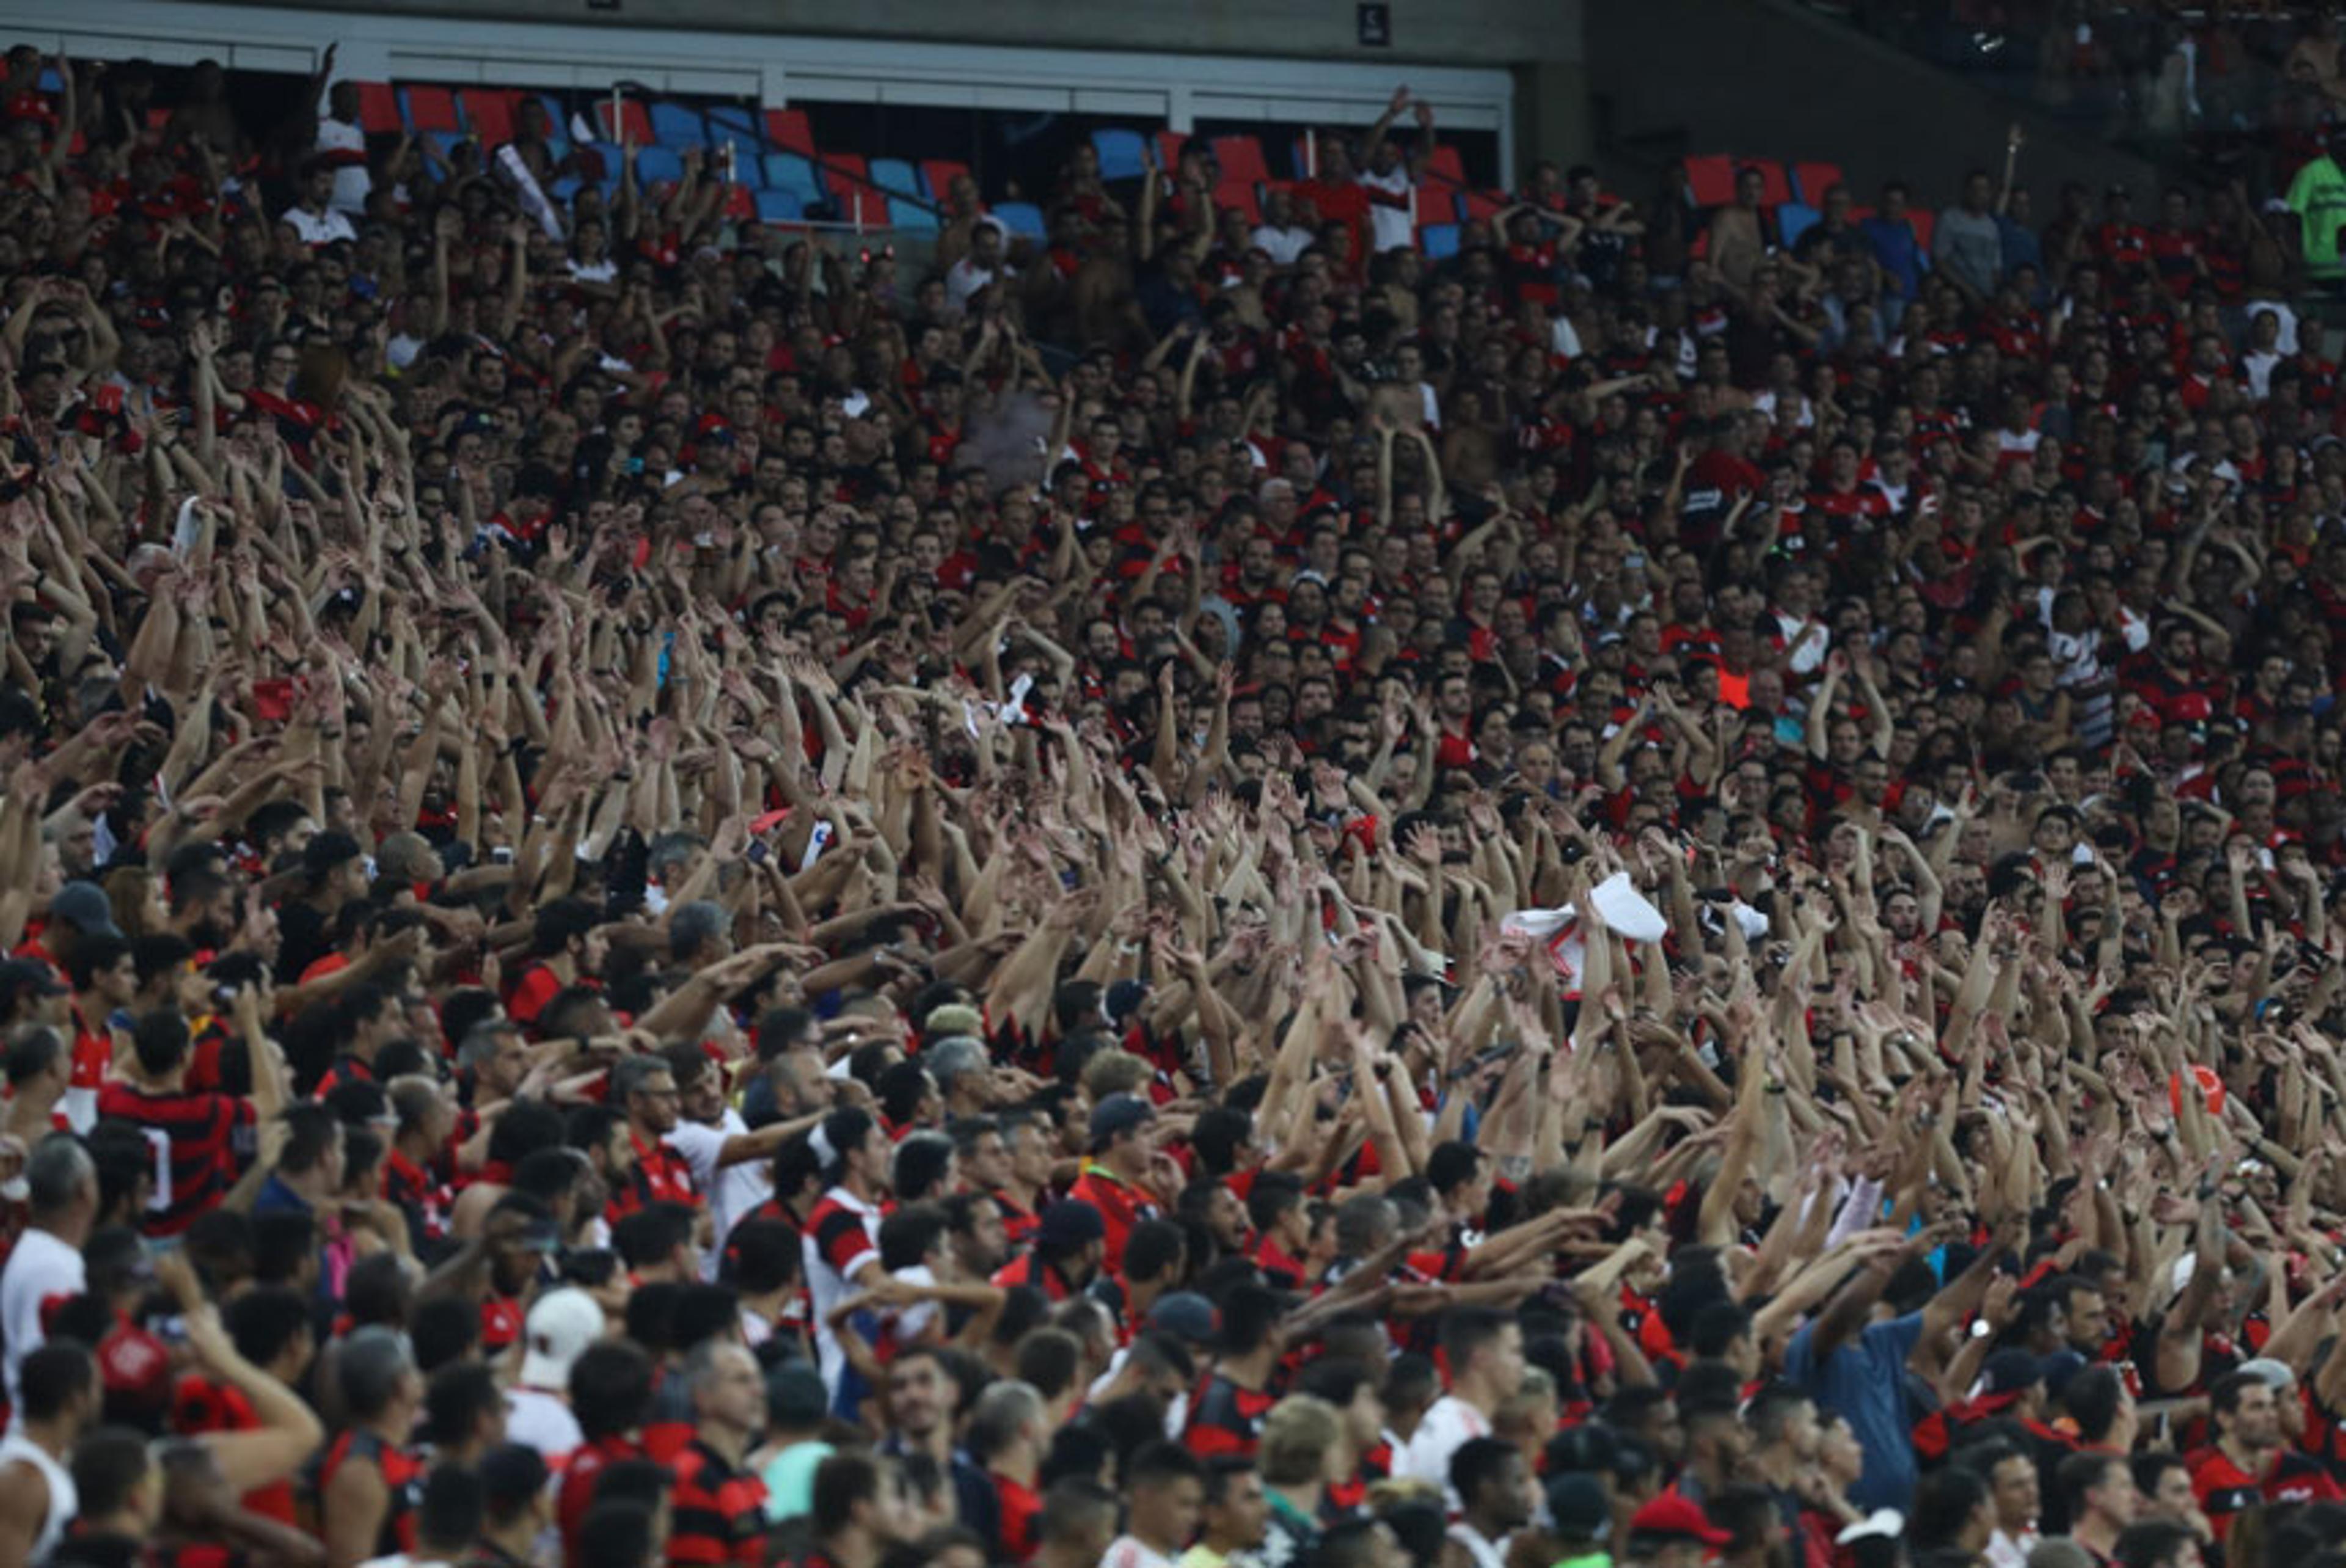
pixel 789 1480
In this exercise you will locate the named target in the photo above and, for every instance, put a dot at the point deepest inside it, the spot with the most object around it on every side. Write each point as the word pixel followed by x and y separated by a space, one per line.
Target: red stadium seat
pixel 1444 166
pixel 938 175
pixel 634 119
pixel 1814 179
pixel 430 108
pixel 378 109
pixel 1168 147
pixel 1775 187
pixel 849 177
pixel 491 112
pixel 1711 180
pixel 1482 206
pixel 1241 194
pixel 788 132
pixel 1241 158
pixel 1924 221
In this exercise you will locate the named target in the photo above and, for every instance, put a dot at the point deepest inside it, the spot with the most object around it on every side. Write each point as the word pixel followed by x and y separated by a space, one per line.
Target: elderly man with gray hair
pixel 963 1074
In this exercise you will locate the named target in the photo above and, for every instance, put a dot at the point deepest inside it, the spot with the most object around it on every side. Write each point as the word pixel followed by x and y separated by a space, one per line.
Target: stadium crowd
pixel 1190 894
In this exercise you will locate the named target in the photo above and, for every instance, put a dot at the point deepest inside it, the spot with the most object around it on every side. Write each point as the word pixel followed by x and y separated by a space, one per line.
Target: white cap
pixel 560 1328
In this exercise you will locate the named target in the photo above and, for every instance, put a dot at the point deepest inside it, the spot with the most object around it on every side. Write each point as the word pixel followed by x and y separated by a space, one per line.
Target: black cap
pixel 1070 1223
pixel 23 977
pixel 1118 1114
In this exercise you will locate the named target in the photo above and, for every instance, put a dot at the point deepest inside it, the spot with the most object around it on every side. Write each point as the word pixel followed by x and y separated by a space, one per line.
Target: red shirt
pixel 1122 1206
pixel 588 1461
pixel 662 1176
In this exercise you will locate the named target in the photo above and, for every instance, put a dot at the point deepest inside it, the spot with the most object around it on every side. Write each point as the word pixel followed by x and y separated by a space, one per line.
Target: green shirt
pixel 1593 1560
pixel 2317 197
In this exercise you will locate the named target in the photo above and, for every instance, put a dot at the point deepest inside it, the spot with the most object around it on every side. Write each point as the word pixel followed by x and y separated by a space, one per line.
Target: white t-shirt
pixel 318 228
pixel 967 277
pixel 42 1271
pixel 733 1190
pixel 1441 1433
pixel 1283 245
pixel 1127 1553
pixel 352 183
pixel 544 1421
pixel 1391 225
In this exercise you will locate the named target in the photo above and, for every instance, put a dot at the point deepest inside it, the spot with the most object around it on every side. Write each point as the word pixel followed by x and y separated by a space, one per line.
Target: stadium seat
pixel 1924 221
pixel 1775 187
pixel 1482 206
pixel 789 130
pixel 1170 143
pixel 738 127
pixel 677 125
pixel 1445 166
pixel 1241 158
pixel 741 200
pixel 378 109
pixel 1814 179
pixel 656 165
pixel 904 213
pixel 444 143
pixel 633 119
pixel 1023 218
pixel 795 173
pixel 779 207
pixel 848 179
pixel 895 176
pixel 937 175
pixel 607 154
pixel 427 108
pixel 491 112
pixel 1121 153
pixel 1793 220
pixel 1241 194
pixel 1440 240
pixel 1711 180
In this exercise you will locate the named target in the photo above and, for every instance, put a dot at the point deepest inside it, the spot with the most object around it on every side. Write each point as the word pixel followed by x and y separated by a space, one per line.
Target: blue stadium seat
pixel 895 176
pixel 1794 219
pixel 788 171
pixel 1440 239
pixel 1120 153
pixel 675 125
pixel 738 127
pixel 779 207
pixel 905 214
pixel 655 164
pixel 443 142
pixel 1024 218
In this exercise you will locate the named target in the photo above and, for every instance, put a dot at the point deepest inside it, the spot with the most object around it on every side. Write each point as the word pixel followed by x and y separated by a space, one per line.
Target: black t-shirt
pixel 302 940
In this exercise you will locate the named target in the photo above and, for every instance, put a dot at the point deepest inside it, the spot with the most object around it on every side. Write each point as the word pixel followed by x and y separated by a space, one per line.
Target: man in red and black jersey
pixel 365 1018
pixel 644 1087
pixel 369 1486
pixel 2250 1463
pixel 718 1504
pixel 1066 1256
pixel 610 1395
pixel 201 1140
pixel 1226 1417
pixel 1112 1180
pixel 269 1326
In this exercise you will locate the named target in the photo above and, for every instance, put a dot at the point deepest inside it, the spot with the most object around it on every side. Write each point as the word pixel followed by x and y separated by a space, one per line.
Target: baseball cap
pixel 1674 1515
pixel 1070 1222
pixel 23 977
pixel 2009 1371
pixel 953 1018
pixel 561 1326
pixel 1119 1113
pixel 1187 1316
pixel 2274 1375
pixel 1576 1502
pixel 83 906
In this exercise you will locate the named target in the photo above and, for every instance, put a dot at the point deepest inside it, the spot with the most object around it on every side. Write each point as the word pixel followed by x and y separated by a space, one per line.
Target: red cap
pixel 1673 1514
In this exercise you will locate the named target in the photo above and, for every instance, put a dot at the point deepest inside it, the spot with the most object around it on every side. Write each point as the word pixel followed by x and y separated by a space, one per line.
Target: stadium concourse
pixel 1251 887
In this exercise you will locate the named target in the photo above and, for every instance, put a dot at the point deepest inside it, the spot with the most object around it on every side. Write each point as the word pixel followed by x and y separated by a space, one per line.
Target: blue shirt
pixel 1895 248
pixel 1864 1381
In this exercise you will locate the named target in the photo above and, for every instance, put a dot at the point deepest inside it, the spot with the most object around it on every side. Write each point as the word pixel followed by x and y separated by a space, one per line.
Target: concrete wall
pixel 1449 32
pixel 1767 77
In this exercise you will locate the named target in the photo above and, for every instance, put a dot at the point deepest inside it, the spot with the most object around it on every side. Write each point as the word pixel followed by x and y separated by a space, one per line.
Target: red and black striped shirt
pixel 196 1139
pixel 717 1511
